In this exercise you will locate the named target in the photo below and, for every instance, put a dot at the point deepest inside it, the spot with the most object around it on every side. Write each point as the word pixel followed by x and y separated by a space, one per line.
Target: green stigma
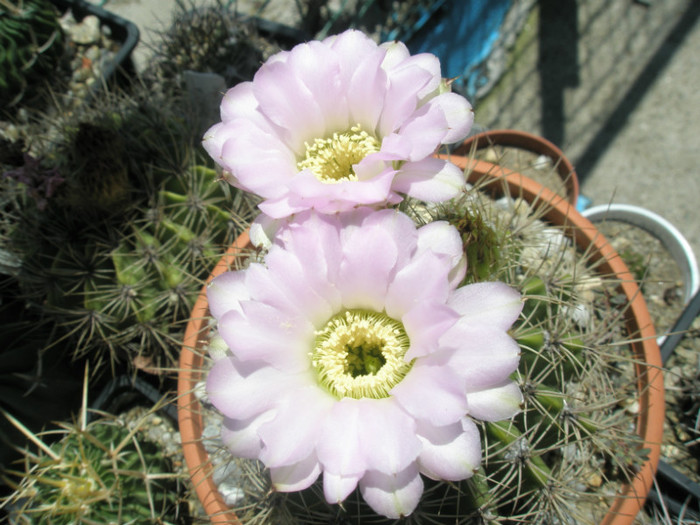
pixel 360 353
pixel 332 159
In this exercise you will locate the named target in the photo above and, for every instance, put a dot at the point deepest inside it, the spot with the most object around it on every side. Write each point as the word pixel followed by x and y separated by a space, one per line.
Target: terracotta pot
pixel 639 326
pixel 190 419
pixel 528 142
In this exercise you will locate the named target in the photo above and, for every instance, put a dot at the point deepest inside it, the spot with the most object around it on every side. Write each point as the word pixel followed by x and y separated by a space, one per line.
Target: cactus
pixel 31 45
pixel 117 253
pixel 574 433
pixel 211 39
pixel 125 292
pixel 97 472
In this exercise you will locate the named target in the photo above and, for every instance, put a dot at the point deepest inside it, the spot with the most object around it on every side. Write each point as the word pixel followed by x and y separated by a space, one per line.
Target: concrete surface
pixel 614 83
pixel 616 87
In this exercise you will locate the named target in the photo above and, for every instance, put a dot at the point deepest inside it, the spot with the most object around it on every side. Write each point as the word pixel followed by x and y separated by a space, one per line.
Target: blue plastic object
pixel 462 34
pixel 583 203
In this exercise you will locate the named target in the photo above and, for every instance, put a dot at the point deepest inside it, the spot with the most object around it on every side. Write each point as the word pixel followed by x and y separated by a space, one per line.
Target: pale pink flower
pixel 340 122
pixel 354 353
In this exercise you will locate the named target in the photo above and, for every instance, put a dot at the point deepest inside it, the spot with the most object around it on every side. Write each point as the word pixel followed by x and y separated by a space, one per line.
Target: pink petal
pixel 263 287
pixel 297 476
pixel 240 102
pixel 249 151
pixel 291 436
pixel 287 102
pixel 352 47
pixel 373 186
pixel 339 448
pixel 401 98
pixel 366 92
pixel 459 115
pixel 483 356
pixel 400 227
pixel 425 324
pixel 432 393
pixel 443 238
pixel 243 391
pixel 226 292
pixel 264 333
pixel 450 452
pixel 396 147
pixel 398 57
pixel 263 229
pixel 317 248
pixel 393 496
pixel 241 435
pixel 369 258
pixel 283 206
pixel 431 64
pixel 396 54
pixel 387 435
pixel 337 487
pixel 495 404
pixel 494 304
pixel 305 191
pixel 424 130
pixel 430 180
pixel 319 68
pixel 309 296
pixel 214 139
pixel 424 278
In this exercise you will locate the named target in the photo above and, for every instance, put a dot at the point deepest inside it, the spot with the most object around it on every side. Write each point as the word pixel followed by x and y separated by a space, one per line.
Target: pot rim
pixel 670 236
pixel 529 142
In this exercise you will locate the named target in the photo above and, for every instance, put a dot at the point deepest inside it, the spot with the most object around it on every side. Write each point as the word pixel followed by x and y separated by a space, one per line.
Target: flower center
pixel 332 159
pixel 360 354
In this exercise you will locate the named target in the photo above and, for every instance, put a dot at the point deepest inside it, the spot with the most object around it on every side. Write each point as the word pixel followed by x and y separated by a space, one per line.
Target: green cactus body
pixel 31 44
pixel 542 465
pixel 103 473
pixel 128 295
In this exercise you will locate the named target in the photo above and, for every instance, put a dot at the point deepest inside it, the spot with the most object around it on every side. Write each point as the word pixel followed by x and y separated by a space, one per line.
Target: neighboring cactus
pixel 118 252
pixel 211 39
pixel 31 45
pixel 126 292
pixel 98 472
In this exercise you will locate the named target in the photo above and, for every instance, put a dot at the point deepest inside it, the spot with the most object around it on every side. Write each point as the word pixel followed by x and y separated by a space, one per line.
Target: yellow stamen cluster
pixel 360 354
pixel 332 159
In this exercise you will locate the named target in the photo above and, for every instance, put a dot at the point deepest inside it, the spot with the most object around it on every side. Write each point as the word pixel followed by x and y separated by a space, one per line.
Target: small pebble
pixel 232 494
pixel 543 162
pixel 87 31
pixel 594 480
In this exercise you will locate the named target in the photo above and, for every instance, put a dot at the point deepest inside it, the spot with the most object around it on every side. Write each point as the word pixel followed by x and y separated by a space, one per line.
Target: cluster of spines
pixel 100 472
pixel 128 293
pixel 31 45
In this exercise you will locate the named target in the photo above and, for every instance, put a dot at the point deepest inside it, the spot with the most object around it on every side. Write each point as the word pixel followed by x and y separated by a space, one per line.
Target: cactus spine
pixel 31 44
pixel 126 295
pixel 97 472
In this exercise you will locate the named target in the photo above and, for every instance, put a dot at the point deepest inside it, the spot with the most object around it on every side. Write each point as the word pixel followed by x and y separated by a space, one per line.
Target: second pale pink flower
pixel 338 123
